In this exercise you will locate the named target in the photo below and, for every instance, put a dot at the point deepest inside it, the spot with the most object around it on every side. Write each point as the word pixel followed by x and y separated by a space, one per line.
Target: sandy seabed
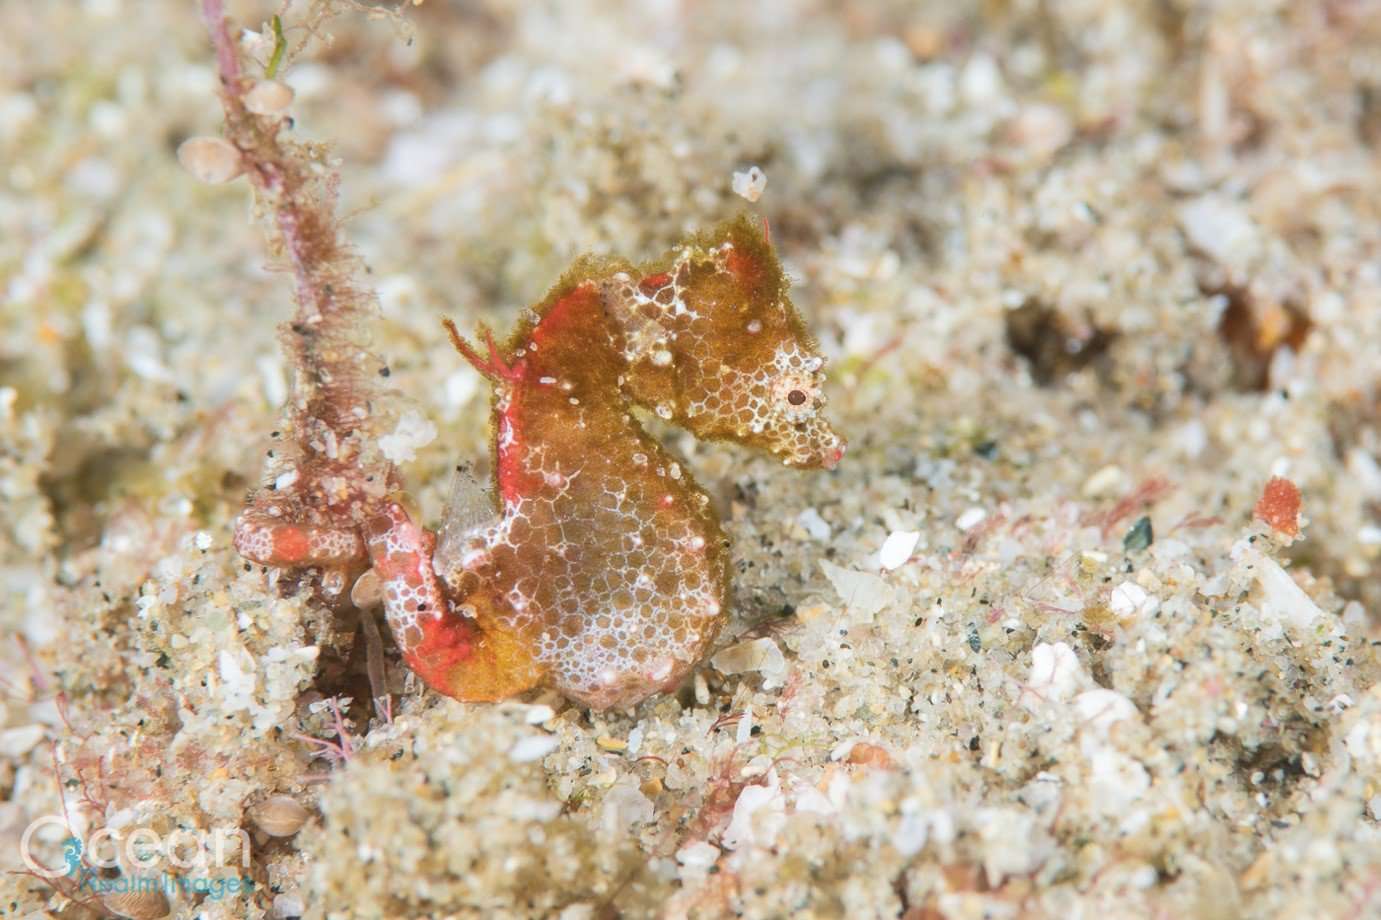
pixel 1089 275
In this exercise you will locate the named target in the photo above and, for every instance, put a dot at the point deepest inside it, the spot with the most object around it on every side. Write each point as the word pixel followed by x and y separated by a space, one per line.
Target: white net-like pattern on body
pixel 612 576
pixel 782 399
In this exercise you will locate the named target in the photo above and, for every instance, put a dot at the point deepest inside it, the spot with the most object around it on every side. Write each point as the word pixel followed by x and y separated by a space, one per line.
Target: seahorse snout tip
pixel 832 455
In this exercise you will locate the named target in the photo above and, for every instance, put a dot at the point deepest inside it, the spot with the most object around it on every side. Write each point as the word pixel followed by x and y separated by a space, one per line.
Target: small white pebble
pixel 1055 673
pixel 212 160
pixel 1107 481
pixel 980 82
pixel 413 430
pixel 581 911
pixel 814 524
pixel 288 905
pixel 536 715
pixel 761 655
pixel 897 548
pixel 970 519
pixel 1041 129
pixel 202 540
pixel 750 183
pixel 16 742
pixel 1130 598
pixel 1221 228
pixel 1099 708
pixel 17 111
pixel 533 747
pixel 700 855
pixel 268 97
pixel 279 816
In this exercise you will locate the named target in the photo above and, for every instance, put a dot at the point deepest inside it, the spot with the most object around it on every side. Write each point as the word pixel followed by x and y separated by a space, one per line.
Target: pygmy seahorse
pixel 603 573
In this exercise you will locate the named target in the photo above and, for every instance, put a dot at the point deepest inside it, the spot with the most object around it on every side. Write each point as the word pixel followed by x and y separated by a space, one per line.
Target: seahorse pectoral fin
pixel 469 510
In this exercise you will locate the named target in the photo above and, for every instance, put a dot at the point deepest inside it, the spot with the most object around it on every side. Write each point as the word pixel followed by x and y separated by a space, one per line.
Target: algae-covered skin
pixel 604 576
pixel 1072 265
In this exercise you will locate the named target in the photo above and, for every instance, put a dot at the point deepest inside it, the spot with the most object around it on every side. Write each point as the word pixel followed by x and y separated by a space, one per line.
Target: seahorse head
pixel 714 344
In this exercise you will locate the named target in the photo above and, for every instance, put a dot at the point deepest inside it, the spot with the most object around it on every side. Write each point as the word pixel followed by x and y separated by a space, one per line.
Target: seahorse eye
pixel 796 397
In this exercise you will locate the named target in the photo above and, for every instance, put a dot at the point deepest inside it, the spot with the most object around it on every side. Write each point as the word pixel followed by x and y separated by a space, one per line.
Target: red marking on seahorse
pixel 433 639
pixel 654 282
pixel 289 544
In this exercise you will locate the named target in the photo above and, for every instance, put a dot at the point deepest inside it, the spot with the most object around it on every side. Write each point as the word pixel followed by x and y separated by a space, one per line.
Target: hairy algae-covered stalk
pixel 325 471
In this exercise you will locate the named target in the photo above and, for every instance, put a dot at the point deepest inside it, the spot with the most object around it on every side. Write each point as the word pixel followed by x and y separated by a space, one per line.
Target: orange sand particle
pixel 1279 506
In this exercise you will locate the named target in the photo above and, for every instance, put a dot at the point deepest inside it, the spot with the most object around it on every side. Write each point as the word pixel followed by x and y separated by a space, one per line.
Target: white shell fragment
pixel 16 742
pixel 268 97
pixel 750 183
pixel 1221 229
pixel 533 747
pixel 624 806
pixel 814 524
pixel 699 855
pixel 279 816
pixel 413 430
pixel 759 815
pixel 1282 597
pixel 1282 600
pixel 150 904
pixel 897 548
pixel 1055 674
pixel 1100 708
pixel 970 519
pixel 1129 599
pixel 862 592
pixel 212 160
pixel 761 655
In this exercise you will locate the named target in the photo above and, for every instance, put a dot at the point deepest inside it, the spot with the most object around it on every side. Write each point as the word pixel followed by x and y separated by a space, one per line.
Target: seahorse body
pixel 606 558
pixel 604 573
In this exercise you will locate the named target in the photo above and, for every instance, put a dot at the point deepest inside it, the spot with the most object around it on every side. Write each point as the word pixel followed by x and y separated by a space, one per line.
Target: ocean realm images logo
pixel 135 859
